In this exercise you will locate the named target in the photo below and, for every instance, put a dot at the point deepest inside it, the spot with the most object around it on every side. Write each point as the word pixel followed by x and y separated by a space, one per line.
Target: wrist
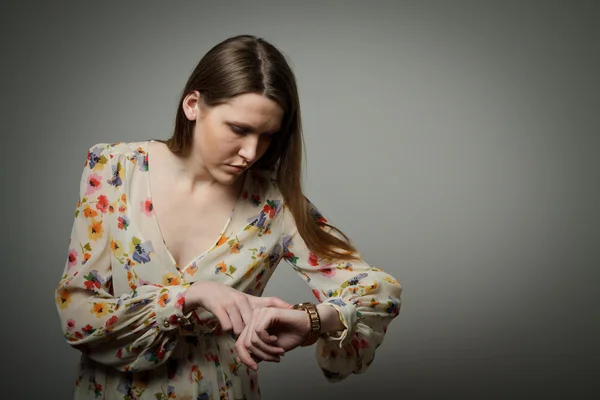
pixel 313 322
pixel 330 318
pixel 191 299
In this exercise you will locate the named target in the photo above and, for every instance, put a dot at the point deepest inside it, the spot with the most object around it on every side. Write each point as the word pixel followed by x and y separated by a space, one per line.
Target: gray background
pixel 455 142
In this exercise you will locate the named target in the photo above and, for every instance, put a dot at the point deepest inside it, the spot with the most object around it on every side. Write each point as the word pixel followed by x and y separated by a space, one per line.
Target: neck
pixel 191 169
pixel 187 172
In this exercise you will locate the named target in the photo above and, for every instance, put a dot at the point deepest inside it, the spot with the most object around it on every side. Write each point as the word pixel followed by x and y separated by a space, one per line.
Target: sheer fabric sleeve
pixel 366 298
pixel 135 331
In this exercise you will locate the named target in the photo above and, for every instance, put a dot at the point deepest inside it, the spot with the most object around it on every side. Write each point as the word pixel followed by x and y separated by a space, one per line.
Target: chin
pixel 225 177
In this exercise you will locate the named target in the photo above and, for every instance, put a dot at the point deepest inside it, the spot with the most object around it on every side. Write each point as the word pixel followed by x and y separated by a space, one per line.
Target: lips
pixel 238 168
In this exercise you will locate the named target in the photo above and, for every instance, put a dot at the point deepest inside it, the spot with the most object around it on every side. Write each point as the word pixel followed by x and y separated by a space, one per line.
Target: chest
pixel 190 226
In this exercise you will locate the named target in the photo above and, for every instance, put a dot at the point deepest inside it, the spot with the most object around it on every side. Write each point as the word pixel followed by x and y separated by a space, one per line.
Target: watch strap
pixel 315 322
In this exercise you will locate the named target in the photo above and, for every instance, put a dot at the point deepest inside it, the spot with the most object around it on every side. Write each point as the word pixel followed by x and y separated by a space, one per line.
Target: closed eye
pixel 238 130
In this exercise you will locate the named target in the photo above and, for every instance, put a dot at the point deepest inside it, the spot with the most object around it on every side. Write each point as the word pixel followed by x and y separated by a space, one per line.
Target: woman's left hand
pixel 271 333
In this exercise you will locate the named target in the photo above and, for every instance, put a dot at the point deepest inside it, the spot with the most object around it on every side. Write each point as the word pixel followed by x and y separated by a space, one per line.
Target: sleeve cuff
pixel 169 308
pixel 201 322
pixel 348 317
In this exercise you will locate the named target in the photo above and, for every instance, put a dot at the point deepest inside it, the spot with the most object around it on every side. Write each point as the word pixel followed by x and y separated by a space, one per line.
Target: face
pixel 230 137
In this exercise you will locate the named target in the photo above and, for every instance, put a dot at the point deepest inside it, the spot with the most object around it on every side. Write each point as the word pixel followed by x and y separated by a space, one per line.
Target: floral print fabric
pixel 121 295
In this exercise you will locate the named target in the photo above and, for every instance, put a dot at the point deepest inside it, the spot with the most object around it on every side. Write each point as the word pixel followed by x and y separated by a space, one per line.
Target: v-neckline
pixel 157 224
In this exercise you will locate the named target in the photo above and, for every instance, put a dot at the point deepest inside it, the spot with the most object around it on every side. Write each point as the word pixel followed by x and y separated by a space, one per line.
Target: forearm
pixel 125 332
pixel 191 299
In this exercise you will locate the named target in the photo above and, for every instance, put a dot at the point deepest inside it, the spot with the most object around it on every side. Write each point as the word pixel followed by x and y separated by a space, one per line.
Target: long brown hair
pixel 247 64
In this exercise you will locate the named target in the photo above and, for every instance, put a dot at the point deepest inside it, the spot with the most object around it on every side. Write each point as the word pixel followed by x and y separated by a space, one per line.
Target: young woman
pixel 174 242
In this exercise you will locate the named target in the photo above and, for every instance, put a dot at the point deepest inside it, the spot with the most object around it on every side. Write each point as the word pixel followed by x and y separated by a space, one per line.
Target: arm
pixel 134 331
pixel 357 303
pixel 330 319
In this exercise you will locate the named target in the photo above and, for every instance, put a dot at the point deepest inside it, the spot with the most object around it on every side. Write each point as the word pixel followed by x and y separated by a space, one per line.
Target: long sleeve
pixel 366 298
pixel 134 331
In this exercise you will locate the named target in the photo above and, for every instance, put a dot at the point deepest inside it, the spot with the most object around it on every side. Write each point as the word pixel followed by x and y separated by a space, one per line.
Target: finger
pixel 266 341
pixel 263 347
pixel 257 352
pixel 276 302
pixel 256 359
pixel 266 337
pixel 262 319
pixel 256 314
pixel 242 351
pixel 245 310
pixel 223 319
pixel 236 320
pixel 249 343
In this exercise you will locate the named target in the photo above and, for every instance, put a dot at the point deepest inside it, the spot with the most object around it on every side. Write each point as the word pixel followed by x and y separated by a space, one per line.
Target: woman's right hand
pixel 232 308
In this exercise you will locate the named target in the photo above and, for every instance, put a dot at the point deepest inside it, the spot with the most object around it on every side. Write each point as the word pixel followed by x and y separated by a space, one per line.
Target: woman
pixel 173 244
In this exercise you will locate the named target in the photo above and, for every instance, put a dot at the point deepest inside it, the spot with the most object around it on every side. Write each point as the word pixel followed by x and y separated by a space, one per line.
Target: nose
pixel 249 148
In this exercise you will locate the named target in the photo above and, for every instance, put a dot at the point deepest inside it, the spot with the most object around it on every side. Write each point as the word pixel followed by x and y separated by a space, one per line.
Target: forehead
pixel 255 109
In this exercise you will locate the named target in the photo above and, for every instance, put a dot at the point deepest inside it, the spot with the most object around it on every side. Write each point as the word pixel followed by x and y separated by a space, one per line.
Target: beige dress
pixel 121 294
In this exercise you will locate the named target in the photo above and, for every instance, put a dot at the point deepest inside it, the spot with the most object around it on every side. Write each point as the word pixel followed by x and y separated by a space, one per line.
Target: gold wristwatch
pixel 315 322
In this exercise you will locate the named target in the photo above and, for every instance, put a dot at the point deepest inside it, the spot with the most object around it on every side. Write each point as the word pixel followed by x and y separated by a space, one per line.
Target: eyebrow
pixel 251 128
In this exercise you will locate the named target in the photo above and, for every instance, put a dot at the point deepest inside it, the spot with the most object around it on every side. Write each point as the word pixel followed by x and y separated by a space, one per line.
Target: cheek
pixel 216 144
pixel 227 146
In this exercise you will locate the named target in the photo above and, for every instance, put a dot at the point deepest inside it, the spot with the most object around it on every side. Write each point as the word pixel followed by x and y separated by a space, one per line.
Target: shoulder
pixel 115 154
pixel 111 163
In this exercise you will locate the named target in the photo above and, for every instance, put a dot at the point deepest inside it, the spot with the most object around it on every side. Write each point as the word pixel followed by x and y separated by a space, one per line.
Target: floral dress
pixel 121 294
